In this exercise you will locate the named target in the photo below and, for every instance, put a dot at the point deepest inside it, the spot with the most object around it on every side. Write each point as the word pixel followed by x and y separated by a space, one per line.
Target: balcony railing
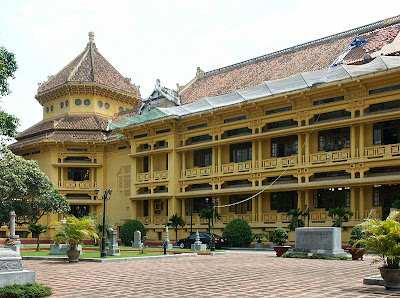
pixel 234 168
pixel 332 156
pixel 78 185
pixel 157 220
pixel 197 172
pixel 148 176
pixel 382 151
pixel 279 162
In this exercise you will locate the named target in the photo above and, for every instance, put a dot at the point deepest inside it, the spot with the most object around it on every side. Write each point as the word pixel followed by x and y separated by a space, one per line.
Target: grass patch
pixel 25 291
pixel 313 256
pixel 91 254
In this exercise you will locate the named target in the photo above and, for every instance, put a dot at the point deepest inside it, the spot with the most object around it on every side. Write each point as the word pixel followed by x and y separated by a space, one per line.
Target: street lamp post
pixel 307 212
pixel 191 216
pixel 106 197
pixel 213 201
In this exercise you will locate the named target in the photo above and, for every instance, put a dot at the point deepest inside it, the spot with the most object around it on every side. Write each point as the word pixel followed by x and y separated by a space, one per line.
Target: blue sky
pixel 166 40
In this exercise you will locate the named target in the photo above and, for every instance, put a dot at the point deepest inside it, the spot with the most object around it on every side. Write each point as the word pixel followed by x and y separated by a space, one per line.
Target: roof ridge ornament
pixel 91 36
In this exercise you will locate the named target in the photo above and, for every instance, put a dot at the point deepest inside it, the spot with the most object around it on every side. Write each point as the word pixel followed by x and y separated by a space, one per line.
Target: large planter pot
pixel 391 278
pixel 357 253
pixel 280 250
pixel 73 255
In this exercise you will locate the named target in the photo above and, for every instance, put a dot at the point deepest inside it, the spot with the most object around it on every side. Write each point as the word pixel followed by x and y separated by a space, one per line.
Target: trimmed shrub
pixel 25 291
pixel 238 233
pixel 280 236
pixel 128 229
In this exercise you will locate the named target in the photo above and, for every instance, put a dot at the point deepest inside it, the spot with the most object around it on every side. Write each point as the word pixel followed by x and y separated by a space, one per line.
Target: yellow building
pixel 281 131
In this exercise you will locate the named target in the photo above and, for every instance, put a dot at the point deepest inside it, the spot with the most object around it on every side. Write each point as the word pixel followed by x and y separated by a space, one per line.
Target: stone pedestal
pixel 15 248
pixel 168 244
pixel 198 246
pixel 321 240
pixel 137 240
pixel 11 270
pixel 61 249
pixel 259 245
pixel 113 249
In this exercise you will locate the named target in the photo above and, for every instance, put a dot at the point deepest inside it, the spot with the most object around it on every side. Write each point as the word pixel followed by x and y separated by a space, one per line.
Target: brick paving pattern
pixel 232 275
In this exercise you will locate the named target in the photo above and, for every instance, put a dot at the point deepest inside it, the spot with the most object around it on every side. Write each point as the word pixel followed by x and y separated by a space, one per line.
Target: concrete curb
pixel 113 259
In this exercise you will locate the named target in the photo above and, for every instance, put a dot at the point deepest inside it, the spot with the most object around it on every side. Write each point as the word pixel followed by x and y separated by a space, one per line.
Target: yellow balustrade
pixel 270 163
pixel 269 217
pixel 375 151
pixel 78 184
pixel 141 177
pixel 234 168
pixel 160 220
pixel 318 216
pixel 332 156
pixel 160 175
pixel 143 220
pixel 198 172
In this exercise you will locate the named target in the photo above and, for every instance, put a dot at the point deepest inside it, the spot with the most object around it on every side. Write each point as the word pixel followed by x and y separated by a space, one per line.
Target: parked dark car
pixel 204 238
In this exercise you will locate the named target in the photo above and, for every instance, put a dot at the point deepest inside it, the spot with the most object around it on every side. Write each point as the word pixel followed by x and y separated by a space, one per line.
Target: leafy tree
pixel 295 220
pixel 37 229
pixel 25 189
pixel 207 213
pixel 175 221
pixel 238 232
pixel 128 229
pixel 8 66
pixel 340 215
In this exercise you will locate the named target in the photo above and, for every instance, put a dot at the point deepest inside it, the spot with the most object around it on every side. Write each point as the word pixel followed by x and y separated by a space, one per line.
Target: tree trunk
pixel 37 247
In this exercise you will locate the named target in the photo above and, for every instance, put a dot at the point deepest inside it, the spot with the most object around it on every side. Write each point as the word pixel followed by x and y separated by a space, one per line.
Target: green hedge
pixel 25 291
pixel 238 233
pixel 128 229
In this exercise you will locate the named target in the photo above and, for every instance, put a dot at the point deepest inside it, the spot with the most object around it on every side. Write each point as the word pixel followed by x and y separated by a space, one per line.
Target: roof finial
pixel 91 36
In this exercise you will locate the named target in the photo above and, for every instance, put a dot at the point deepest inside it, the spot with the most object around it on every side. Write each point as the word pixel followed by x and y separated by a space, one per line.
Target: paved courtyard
pixel 239 274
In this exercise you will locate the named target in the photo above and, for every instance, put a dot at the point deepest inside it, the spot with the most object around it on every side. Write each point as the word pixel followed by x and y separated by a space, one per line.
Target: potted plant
pixel 280 238
pixel 357 234
pixel 382 237
pixel 72 232
pixel 259 236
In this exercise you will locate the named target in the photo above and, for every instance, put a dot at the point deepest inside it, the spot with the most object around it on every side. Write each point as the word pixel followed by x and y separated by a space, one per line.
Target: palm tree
pixel 175 221
pixel 74 231
pixel 207 213
pixel 37 229
pixel 339 215
pixel 296 221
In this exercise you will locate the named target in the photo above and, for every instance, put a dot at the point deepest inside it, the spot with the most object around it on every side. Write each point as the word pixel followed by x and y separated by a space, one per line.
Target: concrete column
pixel 12 224
pixel 184 164
pixel 183 206
pixel 353 199
pixel 353 141
pixel 300 148
pixel 253 159
pixel 307 149
pixel 219 159
pixel 133 209
pixel 213 159
pixel 362 203
pixel 300 201
pixel 259 154
pixel 151 212
pixel 253 209
pixel 308 200
pixel 259 208
pixel 362 142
